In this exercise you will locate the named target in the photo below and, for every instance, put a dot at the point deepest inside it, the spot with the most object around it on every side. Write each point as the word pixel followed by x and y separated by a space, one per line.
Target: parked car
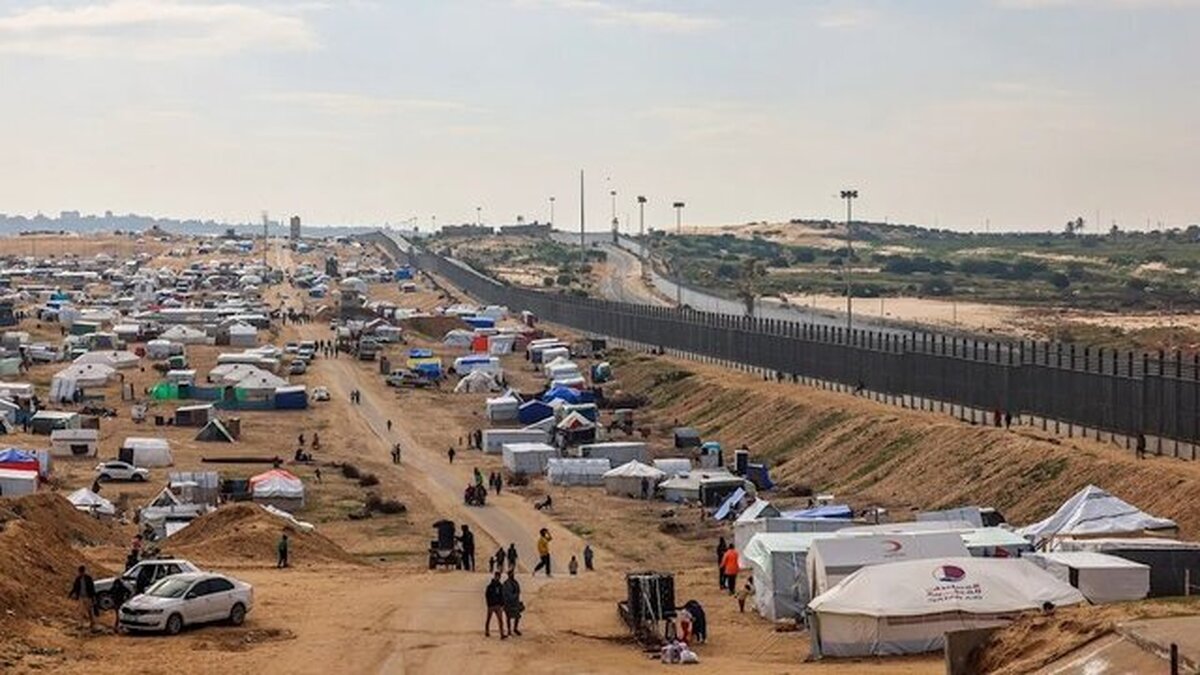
pixel 121 471
pixel 320 394
pixel 140 577
pixel 188 599
pixel 297 367
pixel 291 347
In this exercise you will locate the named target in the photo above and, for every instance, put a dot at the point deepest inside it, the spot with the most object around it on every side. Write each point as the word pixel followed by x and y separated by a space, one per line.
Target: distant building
pixel 527 229
pixel 295 223
pixel 466 230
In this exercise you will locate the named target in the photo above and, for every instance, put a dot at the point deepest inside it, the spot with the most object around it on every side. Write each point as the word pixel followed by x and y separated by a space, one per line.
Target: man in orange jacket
pixel 730 566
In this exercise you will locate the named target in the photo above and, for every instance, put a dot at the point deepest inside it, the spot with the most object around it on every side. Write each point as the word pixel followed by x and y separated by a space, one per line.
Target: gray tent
pixel 214 432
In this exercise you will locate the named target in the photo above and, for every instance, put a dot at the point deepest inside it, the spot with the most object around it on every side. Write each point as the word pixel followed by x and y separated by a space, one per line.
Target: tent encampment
pixel 1100 577
pixel 527 458
pixel 628 479
pixel 831 560
pixel 908 607
pixel 1094 512
pixel 477 382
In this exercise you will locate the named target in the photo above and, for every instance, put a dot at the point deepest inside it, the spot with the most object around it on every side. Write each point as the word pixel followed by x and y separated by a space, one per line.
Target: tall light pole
pixel 642 223
pixel 613 194
pixel 582 238
pixel 552 212
pixel 678 206
pixel 479 215
pixel 849 196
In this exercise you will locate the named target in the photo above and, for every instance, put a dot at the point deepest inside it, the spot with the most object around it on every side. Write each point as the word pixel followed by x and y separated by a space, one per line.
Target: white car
pixel 117 470
pixel 297 367
pixel 187 600
pixel 141 577
pixel 291 348
pixel 320 394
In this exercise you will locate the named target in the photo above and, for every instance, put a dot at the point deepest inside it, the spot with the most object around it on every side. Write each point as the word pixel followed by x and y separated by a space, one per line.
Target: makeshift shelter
pixel 74 442
pixel 15 483
pixel 1099 577
pixel 493 440
pixel 193 415
pixel 146 452
pixel 161 349
pixel 215 432
pixel 575 428
pixel 831 560
pixel 576 471
pixel 995 542
pixel 617 452
pixel 242 335
pixel 710 488
pixel 464 365
pixel 626 480
pixel 278 488
pixel 829 511
pixel 1174 565
pixel 565 394
pixel 908 607
pixel 527 458
pixel 503 408
pixel 44 422
pixel 673 466
pixel 533 411
pixel 478 382
pixel 111 358
pixel 1094 512
pixel 261 384
pixel 458 338
pixel 293 397
pixel 87 501
pixel 14 459
pixel 501 344
pixel 778 563
pixel 687 437
pixel 184 335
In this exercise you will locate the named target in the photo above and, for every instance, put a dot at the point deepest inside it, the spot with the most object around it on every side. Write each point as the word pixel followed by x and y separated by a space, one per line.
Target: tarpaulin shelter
pixel 1101 578
pixel 215 432
pixel 477 381
pixel 493 440
pixel 566 394
pixel 533 411
pixel 908 607
pixel 575 428
pixel 294 397
pixel 1094 512
pixel 87 501
pixel 527 458
pixel 832 560
pixel 17 483
pixel 503 408
pixel 279 488
pixel 13 459
pixel 778 563
pixel 146 452
pixel 576 471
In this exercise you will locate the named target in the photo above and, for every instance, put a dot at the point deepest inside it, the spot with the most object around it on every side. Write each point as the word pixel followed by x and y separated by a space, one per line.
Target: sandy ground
pixel 962 315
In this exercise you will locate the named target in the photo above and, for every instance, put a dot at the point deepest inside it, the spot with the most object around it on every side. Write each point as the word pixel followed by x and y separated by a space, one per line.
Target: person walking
pixel 83 591
pixel 467 539
pixel 587 558
pixel 1141 446
pixel 119 594
pixel 493 595
pixel 496 562
pixel 282 549
pixel 1008 419
pixel 511 593
pixel 645 488
pixel 512 557
pixel 722 547
pixel 745 592
pixel 730 565
pixel 543 547
pixel 573 566
pixel 450 454
pixel 389 425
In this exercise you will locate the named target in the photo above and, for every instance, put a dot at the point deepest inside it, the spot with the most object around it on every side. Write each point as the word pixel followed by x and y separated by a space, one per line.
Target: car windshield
pixel 170 588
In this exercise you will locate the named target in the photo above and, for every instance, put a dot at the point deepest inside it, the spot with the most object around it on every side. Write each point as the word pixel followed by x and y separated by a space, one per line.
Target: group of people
pixel 728 566
pixel 503 598
pixel 356 397
pixel 495 481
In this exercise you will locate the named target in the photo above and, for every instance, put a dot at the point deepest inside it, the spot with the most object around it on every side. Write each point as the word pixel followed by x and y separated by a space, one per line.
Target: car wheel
pixel 174 624
pixel 139 478
pixel 104 478
pixel 104 601
pixel 237 615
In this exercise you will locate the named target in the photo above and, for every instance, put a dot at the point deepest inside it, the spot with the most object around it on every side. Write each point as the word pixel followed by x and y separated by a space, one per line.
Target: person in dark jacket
pixel 119 594
pixel 512 557
pixel 83 591
pixel 511 592
pixel 494 596
pixel 699 621
pixel 721 548
pixel 467 540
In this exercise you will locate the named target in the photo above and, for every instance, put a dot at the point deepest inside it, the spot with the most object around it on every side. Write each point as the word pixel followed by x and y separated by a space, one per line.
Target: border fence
pixel 1116 391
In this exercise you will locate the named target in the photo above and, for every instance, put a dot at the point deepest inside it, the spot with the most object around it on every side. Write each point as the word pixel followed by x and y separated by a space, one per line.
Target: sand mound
pixel 1035 640
pixel 434 326
pixel 39 539
pixel 248 533
pixel 868 453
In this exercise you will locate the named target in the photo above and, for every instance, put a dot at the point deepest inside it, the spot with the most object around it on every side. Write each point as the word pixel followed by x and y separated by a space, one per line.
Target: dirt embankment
pixel 869 453
pixel 40 540
pixel 434 327
pixel 246 533
pixel 1036 640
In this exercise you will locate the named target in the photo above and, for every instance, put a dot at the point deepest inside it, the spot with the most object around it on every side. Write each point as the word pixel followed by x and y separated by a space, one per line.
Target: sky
pixel 965 114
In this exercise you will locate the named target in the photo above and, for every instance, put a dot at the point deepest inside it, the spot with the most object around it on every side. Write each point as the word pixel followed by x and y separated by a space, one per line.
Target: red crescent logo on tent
pixel 949 573
pixel 892 545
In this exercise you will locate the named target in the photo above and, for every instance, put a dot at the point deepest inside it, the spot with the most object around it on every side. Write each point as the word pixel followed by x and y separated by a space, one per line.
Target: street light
pixel 642 223
pixel 613 195
pixel 479 215
pixel 552 212
pixel 849 196
pixel 678 206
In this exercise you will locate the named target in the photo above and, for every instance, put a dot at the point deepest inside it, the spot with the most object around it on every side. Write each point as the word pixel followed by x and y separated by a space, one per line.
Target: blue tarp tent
pixel 418 353
pixel 565 394
pixel 291 398
pixel 727 506
pixel 829 511
pixel 533 411
pixel 16 456
pixel 760 475
pixel 403 274
pixel 480 321
pixel 588 410
pixel 432 371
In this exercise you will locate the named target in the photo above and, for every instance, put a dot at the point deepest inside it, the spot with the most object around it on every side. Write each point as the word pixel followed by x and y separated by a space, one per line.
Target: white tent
pixel 86 375
pixel 616 452
pixel 243 335
pixel 908 607
pixel 501 344
pixel 626 480
pixel 503 408
pixel 89 502
pixel 161 349
pixel 231 373
pixel 673 466
pixel 146 452
pixel 74 442
pixel 527 458
pixel 1100 577
pixel 745 530
pixel 493 440
pixel 477 381
pixel 184 335
pixel 831 560
pixel 576 471
pixel 1094 512
pixel 278 488
pixel 458 338
pixel 778 563
pixel 113 359
pixel 15 483
pixel 261 383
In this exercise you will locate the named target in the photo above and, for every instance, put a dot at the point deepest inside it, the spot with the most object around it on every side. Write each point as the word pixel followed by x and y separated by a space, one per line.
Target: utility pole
pixel 642 223
pixel 266 220
pixel 582 218
pixel 479 215
pixel 552 212
pixel 615 224
pixel 678 206
pixel 849 196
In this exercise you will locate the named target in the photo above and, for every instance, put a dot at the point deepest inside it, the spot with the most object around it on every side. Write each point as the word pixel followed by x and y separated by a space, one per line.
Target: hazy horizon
pixel 1017 113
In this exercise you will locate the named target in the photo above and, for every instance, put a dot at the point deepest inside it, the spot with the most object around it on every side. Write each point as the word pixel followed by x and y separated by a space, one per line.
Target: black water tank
pixel 741 462
pixel 651 595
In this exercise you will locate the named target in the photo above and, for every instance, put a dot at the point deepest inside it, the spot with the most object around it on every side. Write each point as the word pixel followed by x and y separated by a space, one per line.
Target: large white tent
pixel 279 488
pixel 576 471
pixel 89 502
pixel 908 607
pixel 477 381
pixel 184 335
pixel 626 480
pixel 778 563
pixel 527 458
pixel 113 359
pixel 1094 512
pixel 831 560
pixel 1102 578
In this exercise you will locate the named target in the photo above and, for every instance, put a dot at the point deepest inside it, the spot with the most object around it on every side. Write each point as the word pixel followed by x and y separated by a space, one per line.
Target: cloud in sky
pixel 609 13
pixel 854 17
pixel 154 29
pixel 1097 4
pixel 340 103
